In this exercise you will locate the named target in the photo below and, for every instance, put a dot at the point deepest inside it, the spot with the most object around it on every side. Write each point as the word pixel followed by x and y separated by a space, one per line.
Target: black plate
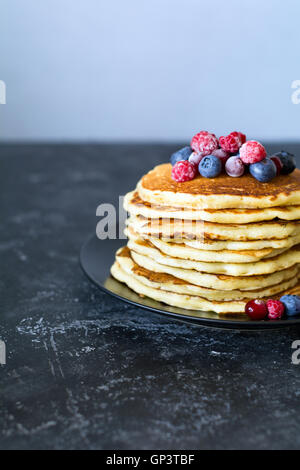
pixel 96 258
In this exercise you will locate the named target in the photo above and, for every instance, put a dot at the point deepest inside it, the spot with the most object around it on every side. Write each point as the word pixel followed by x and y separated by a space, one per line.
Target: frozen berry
pixel 183 171
pixel 180 155
pixel 263 171
pixel 256 309
pixel 252 152
pixel 223 155
pixel 278 163
pixel 288 162
pixel 242 137
pixel 275 309
pixel 210 166
pixel 204 142
pixel 196 158
pixel 231 143
pixel 291 304
pixel 234 166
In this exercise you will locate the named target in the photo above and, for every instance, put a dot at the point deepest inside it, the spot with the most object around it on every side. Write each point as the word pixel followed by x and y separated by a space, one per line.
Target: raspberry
pixel 232 142
pixel 275 309
pixel 183 171
pixel 241 136
pixel 252 152
pixel 204 142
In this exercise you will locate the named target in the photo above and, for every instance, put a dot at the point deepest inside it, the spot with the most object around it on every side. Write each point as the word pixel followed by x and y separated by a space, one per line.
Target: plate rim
pixel 200 321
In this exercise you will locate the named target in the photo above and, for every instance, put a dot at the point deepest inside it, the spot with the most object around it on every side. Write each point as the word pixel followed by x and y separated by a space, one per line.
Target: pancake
pixel 199 230
pixel 136 206
pixel 222 192
pixel 177 300
pixel 267 266
pixel 182 250
pixel 217 245
pixel 216 281
pixel 170 283
pixel 180 300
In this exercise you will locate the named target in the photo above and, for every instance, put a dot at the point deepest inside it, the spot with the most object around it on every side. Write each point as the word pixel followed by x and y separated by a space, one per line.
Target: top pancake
pixel 222 192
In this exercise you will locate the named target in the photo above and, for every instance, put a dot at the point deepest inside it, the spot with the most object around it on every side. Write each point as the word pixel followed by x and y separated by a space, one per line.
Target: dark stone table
pixel 86 371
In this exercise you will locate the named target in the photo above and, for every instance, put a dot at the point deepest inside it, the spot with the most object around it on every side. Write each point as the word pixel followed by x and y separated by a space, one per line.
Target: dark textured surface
pixel 87 371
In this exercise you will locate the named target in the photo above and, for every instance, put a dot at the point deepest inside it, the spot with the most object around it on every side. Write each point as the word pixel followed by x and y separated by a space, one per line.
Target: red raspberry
pixel 183 171
pixel 204 142
pixel 252 152
pixel 231 143
pixel 241 136
pixel 275 309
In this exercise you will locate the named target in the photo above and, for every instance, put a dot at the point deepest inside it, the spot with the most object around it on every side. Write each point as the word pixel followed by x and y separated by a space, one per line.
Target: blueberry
pixel 263 171
pixel 182 154
pixel 210 166
pixel 234 166
pixel 291 303
pixel 288 162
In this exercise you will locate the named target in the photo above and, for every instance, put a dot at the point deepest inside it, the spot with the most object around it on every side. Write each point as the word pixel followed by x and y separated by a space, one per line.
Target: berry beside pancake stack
pixel 204 238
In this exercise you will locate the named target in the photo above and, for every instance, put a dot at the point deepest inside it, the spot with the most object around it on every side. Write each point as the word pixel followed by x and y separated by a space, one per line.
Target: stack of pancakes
pixel 211 244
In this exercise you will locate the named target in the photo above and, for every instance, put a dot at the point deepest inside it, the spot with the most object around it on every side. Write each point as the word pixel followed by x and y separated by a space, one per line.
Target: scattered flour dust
pixel 41 332
pixel 42 328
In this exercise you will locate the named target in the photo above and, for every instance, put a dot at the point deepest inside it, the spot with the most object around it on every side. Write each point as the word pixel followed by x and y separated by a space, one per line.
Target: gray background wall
pixel 148 69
